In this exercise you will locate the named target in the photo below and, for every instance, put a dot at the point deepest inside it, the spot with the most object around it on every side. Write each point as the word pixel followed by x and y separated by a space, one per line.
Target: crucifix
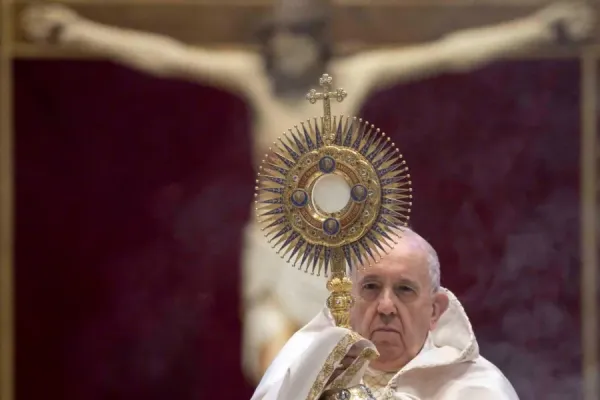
pixel 296 48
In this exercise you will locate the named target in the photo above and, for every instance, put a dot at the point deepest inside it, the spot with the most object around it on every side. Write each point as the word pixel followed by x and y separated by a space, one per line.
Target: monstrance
pixel 332 195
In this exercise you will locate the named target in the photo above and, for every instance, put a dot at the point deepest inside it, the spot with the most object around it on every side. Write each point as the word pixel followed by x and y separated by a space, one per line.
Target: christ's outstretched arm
pixel 466 50
pixel 162 56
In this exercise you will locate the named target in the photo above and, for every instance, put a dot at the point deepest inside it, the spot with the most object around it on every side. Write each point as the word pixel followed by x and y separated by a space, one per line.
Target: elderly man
pixel 426 345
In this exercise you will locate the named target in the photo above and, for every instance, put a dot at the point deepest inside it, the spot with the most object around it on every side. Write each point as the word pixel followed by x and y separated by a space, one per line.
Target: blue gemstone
pixel 299 198
pixel 327 164
pixel 359 193
pixel 331 226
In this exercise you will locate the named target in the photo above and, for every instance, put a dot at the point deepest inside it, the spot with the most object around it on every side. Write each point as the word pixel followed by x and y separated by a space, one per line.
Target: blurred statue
pixel 296 50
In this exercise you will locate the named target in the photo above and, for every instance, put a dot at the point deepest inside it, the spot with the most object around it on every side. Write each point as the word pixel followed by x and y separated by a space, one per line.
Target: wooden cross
pixel 312 96
pixel 7 198
pixel 355 25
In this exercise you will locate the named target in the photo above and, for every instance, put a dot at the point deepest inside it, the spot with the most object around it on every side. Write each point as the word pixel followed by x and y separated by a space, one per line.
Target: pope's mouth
pixel 386 330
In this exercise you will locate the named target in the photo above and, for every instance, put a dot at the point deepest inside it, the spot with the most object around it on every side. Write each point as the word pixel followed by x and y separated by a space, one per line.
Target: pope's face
pixel 395 307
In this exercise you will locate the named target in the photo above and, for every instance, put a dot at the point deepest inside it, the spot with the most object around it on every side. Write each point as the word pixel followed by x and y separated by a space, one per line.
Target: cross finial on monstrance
pixel 312 96
pixel 332 198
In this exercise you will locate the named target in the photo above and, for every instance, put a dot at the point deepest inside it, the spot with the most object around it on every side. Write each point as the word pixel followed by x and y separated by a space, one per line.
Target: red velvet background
pixel 132 192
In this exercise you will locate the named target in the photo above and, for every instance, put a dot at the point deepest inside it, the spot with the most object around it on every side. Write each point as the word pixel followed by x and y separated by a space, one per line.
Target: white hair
pixel 417 241
pixel 433 262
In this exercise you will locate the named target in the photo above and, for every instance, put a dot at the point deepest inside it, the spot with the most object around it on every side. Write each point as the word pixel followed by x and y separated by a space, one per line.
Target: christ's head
pixel 398 301
pixel 296 48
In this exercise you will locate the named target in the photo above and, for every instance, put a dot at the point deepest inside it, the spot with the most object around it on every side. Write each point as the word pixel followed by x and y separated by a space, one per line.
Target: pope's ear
pixel 440 305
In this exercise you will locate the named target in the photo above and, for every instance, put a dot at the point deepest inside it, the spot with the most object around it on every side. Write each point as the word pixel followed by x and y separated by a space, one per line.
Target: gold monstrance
pixel 331 195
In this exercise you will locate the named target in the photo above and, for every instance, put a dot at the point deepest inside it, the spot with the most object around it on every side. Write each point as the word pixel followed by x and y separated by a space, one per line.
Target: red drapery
pixel 132 192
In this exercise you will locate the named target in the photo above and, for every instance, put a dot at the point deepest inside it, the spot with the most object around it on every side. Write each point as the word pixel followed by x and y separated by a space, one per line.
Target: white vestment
pixel 449 367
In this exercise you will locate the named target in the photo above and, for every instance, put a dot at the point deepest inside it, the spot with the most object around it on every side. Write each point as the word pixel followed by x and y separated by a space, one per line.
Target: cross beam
pixel 6 206
pixel 356 24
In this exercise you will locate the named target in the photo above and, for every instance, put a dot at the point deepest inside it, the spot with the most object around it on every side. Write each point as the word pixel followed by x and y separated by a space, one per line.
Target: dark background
pixel 132 192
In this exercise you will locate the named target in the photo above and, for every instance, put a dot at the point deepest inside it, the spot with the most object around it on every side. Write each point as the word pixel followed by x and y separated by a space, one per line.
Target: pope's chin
pixel 390 346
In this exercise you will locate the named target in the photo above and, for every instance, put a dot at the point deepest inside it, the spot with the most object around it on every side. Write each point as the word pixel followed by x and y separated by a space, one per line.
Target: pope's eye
pixel 370 286
pixel 405 290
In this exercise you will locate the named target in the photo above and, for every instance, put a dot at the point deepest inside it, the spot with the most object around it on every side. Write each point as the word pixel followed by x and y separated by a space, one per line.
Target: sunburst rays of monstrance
pixel 332 195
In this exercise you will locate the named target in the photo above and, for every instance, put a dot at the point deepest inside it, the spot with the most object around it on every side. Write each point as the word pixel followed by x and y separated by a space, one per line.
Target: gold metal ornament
pixel 355 392
pixel 324 233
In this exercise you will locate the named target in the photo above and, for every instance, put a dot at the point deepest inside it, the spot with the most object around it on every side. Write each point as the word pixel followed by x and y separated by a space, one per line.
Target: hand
pixel 345 363
pixel 43 23
pixel 568 21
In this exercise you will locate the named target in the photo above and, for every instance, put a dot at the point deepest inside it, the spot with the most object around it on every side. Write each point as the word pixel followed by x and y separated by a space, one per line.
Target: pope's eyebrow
pixel 409 282
pixel 370 277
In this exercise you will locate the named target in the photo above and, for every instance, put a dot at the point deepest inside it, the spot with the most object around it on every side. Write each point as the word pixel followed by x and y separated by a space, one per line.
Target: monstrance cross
pixel 313 96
